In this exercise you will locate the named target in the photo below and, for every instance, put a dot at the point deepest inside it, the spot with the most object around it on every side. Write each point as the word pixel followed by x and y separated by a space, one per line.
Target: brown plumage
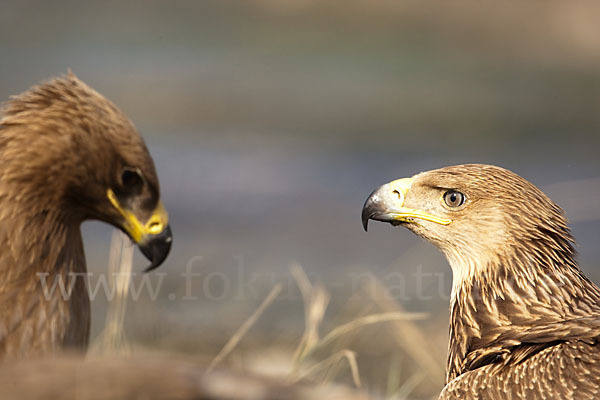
pixel 524 320
pixel 67 155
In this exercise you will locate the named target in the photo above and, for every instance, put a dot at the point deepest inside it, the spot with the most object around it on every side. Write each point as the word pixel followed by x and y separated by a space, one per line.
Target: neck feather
pixel 42 254
pixel 506 300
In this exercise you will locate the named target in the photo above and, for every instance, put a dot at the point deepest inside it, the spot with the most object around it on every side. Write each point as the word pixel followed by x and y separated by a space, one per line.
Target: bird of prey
pixel 524 319
pixel 66 155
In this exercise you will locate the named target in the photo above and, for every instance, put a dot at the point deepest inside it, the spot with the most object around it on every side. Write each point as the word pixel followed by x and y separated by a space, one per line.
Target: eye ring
pixel 454 198
pixel 132 179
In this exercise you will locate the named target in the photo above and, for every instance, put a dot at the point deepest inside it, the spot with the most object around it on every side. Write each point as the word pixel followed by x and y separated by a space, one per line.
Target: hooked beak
pixel 153 237
pixel 386 204
pixel 156 247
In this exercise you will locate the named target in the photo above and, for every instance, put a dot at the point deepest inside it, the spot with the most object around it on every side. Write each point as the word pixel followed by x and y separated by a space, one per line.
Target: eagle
pixel 524 319
pixel 67 155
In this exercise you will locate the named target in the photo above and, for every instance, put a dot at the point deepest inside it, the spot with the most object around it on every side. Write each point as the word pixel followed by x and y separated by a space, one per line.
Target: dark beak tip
pixel 157 248
pixel 365 222
pixel 367 211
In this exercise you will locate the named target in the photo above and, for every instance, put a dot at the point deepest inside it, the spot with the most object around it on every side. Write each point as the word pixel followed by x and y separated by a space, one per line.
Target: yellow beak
pixel 153 237
pixel 157 222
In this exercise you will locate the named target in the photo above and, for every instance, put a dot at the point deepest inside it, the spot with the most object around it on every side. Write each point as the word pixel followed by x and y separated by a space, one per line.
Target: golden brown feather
pixel 64 149
pixel 524 319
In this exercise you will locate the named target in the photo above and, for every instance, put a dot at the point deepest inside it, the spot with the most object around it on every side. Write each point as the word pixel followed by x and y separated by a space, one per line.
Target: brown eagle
pixel 524 319
pixel 66 155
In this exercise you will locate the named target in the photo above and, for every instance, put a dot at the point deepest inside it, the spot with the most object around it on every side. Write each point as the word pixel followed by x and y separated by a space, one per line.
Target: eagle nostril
pixel 155 227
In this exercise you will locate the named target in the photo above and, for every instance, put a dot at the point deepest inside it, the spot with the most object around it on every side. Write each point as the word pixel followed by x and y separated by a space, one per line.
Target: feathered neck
pixel 507 307
pixel 42 254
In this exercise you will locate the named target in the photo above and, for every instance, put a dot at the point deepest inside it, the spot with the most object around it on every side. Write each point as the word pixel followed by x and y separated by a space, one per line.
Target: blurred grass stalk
pixel 305 365
pixel 316 299
pixel 113 340
pixel 241 332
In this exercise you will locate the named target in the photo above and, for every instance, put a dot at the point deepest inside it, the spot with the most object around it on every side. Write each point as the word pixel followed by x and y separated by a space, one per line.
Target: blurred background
pixel 270 122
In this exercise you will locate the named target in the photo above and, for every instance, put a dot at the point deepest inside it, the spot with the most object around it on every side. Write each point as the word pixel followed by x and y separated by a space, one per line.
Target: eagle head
pixel 70 155
pixel 474 213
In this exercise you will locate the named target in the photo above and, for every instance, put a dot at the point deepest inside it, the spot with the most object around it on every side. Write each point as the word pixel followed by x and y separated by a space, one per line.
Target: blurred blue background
pixel 271 121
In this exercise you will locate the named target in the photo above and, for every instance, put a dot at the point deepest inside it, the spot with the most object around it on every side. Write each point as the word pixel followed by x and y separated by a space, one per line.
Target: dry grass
pixel 315 298
pixel 319 358
pixel 241 332
pixel 407 335
pixel 306 366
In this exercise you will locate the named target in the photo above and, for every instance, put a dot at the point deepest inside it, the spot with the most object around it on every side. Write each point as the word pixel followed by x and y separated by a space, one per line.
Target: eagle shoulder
pixel 566 370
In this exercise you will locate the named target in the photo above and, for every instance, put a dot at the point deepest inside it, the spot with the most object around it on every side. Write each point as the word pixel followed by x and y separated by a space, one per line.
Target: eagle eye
pixel 454 198
pixel 132 179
